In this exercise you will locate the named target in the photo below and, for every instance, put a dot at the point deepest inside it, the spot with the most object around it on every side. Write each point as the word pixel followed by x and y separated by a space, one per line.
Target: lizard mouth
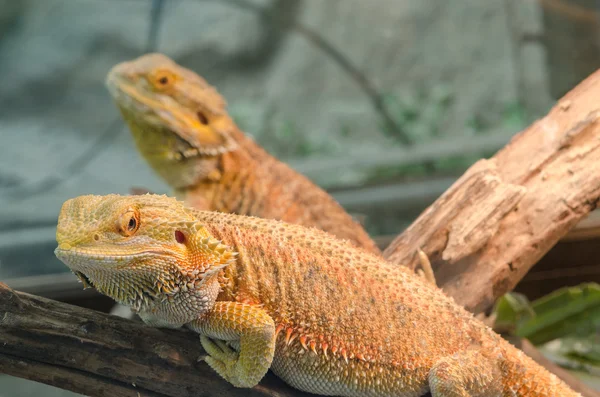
pixel 93 255
pixel 84 280
pixel 80 260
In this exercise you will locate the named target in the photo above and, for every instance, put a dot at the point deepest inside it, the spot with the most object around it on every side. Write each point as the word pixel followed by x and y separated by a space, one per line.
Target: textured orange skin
pixel 212 164
pixel 341 321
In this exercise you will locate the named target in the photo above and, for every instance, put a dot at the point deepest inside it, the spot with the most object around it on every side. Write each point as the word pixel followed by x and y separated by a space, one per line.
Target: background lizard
pixel 181 127
pixel 326 317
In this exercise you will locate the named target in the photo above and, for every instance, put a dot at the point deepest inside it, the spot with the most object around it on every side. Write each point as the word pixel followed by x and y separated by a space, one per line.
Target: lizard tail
pixel 523 377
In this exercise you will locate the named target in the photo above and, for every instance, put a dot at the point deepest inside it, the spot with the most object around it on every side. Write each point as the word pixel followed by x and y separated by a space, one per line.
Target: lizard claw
pixel 218 349
pixel 224 360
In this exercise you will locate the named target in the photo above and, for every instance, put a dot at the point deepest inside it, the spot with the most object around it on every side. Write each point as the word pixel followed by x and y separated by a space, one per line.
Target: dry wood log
pixel 485 233
pixel 97 354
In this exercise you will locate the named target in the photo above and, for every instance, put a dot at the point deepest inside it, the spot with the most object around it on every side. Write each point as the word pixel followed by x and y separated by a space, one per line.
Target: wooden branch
pixel 101 355
pixel 485 233
pixel 67 379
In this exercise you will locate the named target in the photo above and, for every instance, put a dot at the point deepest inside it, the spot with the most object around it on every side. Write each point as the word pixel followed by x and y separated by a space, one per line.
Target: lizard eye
pixel 129 223
pixel 132 225
pixel 161 79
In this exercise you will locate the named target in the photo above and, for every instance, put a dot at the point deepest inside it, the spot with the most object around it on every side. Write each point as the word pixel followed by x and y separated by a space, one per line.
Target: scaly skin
pixel 181 127
pixel 326 317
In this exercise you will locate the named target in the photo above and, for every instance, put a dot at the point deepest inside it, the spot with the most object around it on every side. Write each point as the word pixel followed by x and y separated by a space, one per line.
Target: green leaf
pixel 567 311
pixel 511 310
pixel 582 348
pixel 571 311
pixel 582 353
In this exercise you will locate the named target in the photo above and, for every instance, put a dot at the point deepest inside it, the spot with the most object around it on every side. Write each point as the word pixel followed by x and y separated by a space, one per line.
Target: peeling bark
pixel 484 234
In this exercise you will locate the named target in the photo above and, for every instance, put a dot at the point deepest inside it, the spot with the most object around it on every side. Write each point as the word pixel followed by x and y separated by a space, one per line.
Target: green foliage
pixel 378 174
pixel 584 349
pixel 579 353
pixel 419 114
pixel 455 164
pixel 514 117
pixel 565 312
pixel 283 137
pixel 570 315
pixel 511 310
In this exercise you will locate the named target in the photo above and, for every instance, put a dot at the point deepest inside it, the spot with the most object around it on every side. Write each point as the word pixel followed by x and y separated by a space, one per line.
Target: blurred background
pixel 383 103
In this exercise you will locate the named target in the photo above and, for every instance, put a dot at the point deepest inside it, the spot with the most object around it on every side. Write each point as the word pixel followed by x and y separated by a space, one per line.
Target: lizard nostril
pixel 96 237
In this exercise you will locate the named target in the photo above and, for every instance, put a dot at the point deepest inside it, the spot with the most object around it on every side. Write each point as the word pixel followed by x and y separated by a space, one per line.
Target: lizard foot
pixel 244 357
pixel 223 360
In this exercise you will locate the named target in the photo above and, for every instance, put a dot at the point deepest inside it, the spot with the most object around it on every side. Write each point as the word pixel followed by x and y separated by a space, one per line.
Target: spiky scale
pixel 324 347
pixel 288 334
pixel 302 341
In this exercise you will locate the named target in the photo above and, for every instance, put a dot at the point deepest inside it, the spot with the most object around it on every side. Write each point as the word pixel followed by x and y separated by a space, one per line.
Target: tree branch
pixel 101 355
pixel 67 378
pixel 485 232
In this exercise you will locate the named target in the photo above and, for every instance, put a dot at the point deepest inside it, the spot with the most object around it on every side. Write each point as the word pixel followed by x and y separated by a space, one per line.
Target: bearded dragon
pixel 181 127
pixel 326 317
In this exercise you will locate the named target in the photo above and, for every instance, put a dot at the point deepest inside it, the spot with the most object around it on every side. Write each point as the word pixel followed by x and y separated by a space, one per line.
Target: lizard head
pixel 177 119
pixel 141 251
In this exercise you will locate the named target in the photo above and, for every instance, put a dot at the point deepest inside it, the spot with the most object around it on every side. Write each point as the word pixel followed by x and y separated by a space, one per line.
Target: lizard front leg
pixel 237 322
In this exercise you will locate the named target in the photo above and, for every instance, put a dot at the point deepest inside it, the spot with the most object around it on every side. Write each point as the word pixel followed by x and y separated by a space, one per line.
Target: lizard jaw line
pixel 83 279
pixel 68 253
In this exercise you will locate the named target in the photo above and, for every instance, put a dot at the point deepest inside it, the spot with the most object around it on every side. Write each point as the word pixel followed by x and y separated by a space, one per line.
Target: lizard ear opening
pixel 180 237
pixel 202 118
